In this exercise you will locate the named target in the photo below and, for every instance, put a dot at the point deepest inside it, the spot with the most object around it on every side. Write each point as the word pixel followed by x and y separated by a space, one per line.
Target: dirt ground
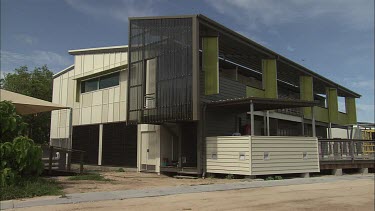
pixel 131 181
pixel 341 195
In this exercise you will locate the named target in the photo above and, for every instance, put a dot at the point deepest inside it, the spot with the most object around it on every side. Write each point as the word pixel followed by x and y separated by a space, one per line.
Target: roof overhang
pixel 101 73
pixel 110 49
pixel 260 104
pixel 28 105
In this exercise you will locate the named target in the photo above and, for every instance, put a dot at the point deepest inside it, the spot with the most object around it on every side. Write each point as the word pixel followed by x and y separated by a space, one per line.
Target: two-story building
pixel 156 103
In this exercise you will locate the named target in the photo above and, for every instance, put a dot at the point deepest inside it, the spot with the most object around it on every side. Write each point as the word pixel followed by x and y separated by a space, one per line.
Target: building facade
pixel 152 104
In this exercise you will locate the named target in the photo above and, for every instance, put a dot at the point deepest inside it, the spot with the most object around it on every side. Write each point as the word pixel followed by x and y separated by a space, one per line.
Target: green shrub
pixel 278 177
pixel 120 170
pixel 270 178
pixel 230 176
pixel 20 158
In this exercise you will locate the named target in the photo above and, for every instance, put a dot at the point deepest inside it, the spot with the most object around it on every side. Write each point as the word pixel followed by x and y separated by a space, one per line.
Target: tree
pixel 38 84
pixel 12 124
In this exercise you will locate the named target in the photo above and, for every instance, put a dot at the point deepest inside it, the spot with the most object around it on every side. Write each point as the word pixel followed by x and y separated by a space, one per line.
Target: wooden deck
pixel 346 154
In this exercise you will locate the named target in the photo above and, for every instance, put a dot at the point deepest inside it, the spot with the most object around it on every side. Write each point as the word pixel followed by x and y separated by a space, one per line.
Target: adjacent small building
pixel 189 95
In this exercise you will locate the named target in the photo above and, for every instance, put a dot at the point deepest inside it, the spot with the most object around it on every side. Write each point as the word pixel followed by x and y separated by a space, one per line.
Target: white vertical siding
pixel 101 106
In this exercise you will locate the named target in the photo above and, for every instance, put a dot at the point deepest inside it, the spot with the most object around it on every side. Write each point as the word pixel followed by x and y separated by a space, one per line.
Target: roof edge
pixel 71 67
pixel 98 49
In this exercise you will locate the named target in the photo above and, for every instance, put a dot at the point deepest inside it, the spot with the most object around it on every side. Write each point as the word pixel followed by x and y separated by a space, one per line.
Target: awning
pixel 28 105
pixel 260 104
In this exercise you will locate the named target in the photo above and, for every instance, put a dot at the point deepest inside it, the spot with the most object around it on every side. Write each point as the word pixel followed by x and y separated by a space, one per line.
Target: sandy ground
pixel 341 195
pixel 131 181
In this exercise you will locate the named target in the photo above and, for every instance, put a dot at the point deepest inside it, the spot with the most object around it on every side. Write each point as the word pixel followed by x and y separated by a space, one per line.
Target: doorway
pixel 148 151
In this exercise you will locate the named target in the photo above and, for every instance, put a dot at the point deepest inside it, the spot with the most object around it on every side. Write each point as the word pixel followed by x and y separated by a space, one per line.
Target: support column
pixel 313 121
pixel 100 151
pixel 303 125
pixel 265 123
pixel 330 130
pixel 268 123
pixel 251 118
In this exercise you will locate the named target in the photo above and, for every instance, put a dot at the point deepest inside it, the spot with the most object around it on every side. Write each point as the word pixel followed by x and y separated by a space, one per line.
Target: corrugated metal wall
pixel 169 41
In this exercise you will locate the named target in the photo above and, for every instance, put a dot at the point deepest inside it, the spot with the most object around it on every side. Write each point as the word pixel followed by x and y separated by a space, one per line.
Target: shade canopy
pixel 260 104
pixel 28 105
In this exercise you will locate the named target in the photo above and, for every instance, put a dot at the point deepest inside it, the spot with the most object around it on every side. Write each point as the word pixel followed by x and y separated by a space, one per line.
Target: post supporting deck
pixel 252 117
pixel 313 121
pixel 268 123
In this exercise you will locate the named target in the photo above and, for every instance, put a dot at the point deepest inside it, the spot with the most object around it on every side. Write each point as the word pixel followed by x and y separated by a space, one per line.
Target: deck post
pixel 303 125
pixel 252 117
pixel 313 121
pixel 50 160
pixel 268 123
pixel 265 122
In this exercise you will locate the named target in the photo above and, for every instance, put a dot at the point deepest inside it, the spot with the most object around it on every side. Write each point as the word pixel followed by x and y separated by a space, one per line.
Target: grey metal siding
pixel 228 89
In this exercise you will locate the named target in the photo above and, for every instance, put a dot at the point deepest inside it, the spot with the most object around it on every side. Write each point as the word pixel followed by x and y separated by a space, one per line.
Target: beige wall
pixel 285 155
pixel 100 106
pixel 245 155
pixel 223 155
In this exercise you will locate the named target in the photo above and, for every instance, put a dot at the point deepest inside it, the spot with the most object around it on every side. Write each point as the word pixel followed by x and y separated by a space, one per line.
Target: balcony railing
pixel 346 149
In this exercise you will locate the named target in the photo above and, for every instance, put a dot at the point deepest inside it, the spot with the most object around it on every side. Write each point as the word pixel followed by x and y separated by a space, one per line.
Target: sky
pixel 334 38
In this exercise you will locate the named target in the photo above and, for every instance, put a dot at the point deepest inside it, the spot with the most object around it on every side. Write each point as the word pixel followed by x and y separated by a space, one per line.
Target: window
pixel 89 85
pixel 109 80
pixel 100 82
pixel 150 100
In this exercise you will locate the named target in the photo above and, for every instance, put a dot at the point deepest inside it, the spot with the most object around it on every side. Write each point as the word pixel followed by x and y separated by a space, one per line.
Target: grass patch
pixel 31 187
pixel 96 177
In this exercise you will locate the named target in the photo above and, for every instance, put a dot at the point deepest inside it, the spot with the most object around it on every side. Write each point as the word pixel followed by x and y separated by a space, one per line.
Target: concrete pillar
pixel 363 170
pixel 305 175
pixel 100 151
pixel 337 172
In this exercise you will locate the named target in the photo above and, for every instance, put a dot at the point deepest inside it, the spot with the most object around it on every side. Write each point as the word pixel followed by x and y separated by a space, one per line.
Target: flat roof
pixel 99 50
pixel 205 20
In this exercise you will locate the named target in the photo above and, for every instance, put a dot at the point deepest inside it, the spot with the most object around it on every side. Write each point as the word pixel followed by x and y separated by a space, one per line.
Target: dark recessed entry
pixel 86 138
pixel 119 145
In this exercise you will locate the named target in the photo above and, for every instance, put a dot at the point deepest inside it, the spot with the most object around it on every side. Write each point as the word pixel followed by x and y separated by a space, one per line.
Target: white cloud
pixel 36 58
pixel 357 14
pixel 119 10
pixel 360 83
pixel 290 48
pixel 365 112
pixel 26 39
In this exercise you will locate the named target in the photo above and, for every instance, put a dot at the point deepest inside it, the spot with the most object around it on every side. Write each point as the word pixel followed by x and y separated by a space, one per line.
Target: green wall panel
pixel 306 92
pixel 269 74
pixel 333 106
pixel 254 92
pixel 351 110
pixel 321 114
pixel 210 61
